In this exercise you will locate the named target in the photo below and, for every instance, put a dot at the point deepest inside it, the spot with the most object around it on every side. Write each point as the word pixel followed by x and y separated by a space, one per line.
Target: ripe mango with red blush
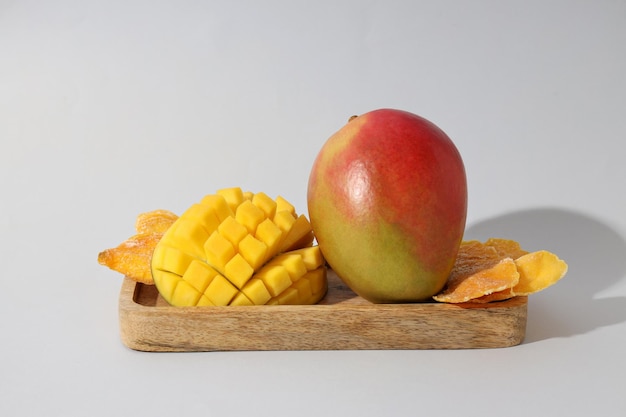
pixel 387 201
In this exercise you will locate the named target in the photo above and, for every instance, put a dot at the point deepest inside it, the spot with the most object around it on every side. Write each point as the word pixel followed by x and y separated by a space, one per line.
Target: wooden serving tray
pixel 341 321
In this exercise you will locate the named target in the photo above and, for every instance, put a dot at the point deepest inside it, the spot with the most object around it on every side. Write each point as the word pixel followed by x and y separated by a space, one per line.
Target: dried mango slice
pixel 499 277
pixel 505 248
pixel 481 268
pixel 477 273
pixel 155 221
pixel 538 270
pixel 132 257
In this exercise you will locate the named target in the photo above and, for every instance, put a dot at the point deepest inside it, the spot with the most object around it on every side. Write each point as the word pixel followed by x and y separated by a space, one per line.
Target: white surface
pixel 111 108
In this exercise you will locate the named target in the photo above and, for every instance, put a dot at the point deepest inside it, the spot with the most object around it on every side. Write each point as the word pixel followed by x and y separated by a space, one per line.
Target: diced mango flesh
pixel 239 249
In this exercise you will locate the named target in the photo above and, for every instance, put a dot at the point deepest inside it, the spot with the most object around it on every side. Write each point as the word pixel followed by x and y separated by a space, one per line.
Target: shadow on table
pixel 595 254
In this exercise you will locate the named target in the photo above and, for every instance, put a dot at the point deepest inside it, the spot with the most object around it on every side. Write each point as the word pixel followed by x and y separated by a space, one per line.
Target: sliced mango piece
pixel 239 248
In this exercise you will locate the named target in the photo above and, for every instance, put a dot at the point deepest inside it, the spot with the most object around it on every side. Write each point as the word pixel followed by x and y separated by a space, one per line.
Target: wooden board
pixel 341 321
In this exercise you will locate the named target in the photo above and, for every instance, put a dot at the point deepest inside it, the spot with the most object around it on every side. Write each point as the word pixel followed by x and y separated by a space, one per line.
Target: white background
pixel 111 108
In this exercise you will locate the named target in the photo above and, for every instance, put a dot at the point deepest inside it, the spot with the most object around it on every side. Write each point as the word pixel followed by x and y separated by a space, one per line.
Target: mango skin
pixel 387 201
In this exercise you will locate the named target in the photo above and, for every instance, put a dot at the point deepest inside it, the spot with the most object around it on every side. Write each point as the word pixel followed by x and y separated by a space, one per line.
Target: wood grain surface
pixel 341 321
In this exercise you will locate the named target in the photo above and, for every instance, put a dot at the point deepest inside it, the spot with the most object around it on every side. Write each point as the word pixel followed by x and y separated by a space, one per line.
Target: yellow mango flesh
pixel 237 248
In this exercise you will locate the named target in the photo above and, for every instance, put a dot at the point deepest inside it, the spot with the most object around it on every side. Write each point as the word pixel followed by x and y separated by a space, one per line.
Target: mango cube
pixel 253 251
pixel 276 279
pixel 233 197
pixel 238 271
pixel 188 236
pixel 311 256
pixel 270 234
pixel 300 229
pixel 293 264
pixel 249 215
pixel 167 283
pixel 185 294
pixel 284 205
pixel 204 301
pixel 241 300
pixel 288 297
pixel 219 251
pixel 265 203
pixel 199 275
pixel 219 206
pixel 172 259
pixel 232 230
pixel 220 291
pixel 256 291
pixel 284 220
pixel 204 215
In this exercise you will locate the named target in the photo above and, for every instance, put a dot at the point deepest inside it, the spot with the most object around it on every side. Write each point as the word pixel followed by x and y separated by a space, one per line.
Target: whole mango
pixel 387 201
